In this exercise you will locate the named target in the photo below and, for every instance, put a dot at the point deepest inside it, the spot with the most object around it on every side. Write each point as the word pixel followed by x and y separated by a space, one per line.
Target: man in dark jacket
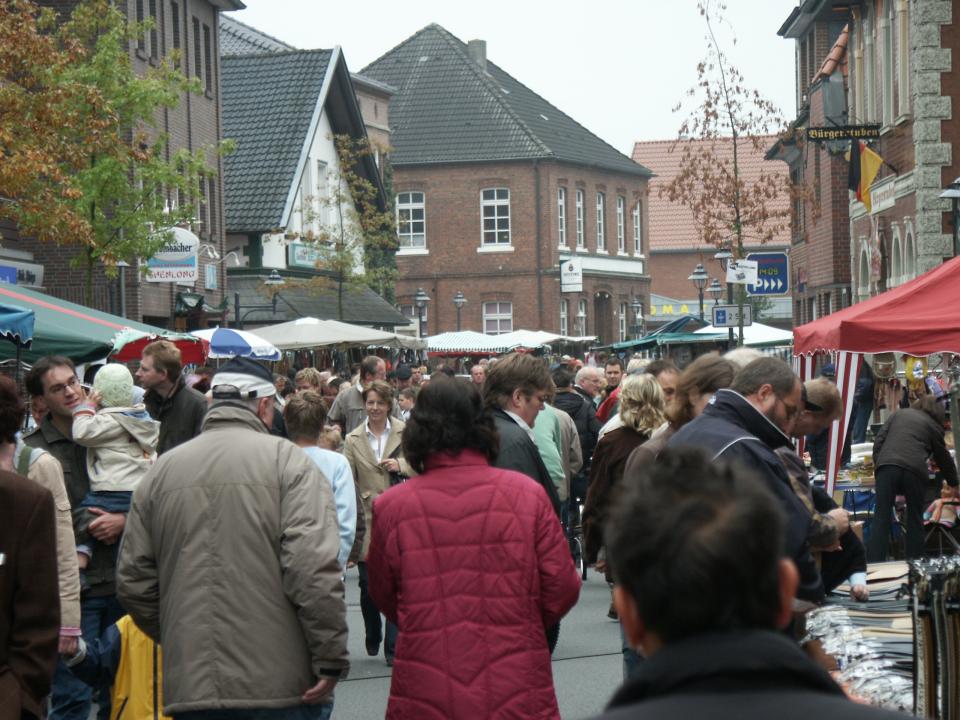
pixel 702 588
pixel 180 409
pixel 747 423
pixel 29 597
pixel 585 418
pixel 515 390
pixel 53 379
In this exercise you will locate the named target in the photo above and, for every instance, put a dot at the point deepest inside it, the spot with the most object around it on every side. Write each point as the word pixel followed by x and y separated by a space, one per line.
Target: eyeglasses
pixel 793 412
pixel 72 383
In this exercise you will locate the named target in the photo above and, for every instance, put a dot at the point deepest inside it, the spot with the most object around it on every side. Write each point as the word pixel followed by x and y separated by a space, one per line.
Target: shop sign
pixel 883 196
pixel 571 275
pixel 177 260
pixel 303 255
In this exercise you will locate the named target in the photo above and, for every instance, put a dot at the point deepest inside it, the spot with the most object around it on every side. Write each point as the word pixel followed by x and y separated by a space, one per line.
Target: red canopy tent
pixel 917 318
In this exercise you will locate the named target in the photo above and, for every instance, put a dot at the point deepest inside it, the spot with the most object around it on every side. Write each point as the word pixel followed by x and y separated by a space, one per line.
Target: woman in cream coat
pixel 373 451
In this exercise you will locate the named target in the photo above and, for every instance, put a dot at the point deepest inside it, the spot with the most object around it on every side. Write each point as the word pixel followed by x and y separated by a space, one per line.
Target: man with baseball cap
pixel 234 534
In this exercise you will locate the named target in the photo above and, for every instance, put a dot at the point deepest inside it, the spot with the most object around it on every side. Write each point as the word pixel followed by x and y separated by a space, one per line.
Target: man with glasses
pixel 53 380
pixel 747 423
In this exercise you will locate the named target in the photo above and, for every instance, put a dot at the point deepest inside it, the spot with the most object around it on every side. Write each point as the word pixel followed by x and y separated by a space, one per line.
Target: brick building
pixel 675 246
pixel 189 26
pixel 890 63
pixel 494 187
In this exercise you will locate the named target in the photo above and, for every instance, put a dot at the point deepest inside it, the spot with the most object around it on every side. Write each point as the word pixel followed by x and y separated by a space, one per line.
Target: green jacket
pixel 549 443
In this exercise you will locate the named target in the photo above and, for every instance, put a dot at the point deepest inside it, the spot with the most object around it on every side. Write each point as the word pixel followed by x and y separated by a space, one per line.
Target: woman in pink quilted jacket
pixel 471 564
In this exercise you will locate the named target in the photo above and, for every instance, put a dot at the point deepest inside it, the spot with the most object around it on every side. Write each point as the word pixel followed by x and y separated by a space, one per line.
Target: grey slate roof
pixel 447 109
pixel 239 39
pixel 363 307
pixel 268 102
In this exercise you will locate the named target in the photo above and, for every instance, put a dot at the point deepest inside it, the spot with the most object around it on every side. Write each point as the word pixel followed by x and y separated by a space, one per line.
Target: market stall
pixel 468 342
pixel 84 334
pixel 913 318
pixel 309 332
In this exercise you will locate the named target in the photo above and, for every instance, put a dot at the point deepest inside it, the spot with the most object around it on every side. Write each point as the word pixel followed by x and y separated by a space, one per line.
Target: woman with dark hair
pixel 472 565
pixel 900 452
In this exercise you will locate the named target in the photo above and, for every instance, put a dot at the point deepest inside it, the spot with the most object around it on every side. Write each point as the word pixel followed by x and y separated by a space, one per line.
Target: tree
pixel 728 209
pixel 96 173
pixel 356 239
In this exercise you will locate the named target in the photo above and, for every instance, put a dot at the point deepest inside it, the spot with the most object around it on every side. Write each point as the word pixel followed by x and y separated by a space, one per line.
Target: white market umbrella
pixel 227 343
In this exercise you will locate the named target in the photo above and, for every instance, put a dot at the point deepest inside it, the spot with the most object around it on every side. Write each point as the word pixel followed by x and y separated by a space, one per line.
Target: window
pixel 141 37
pixel 411 220
pixel 495 209
pixel 562 217
pixel 154 31
pixel 208 60
pixel 621 225
pixel 212 203
pixel 497 318
pixel 623 322
pixel 903 59
pixel 197 50
pixel 323 200
pixel 637 230
pixel 175 16
pixel 203 210
pixel 582 317
pixel 887 22
pixel 601 229
pixel 581 241
pixel 411 312
pixel 564 311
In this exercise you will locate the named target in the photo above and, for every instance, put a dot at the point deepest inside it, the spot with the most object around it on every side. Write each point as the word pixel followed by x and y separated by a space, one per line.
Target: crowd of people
pixel 178 547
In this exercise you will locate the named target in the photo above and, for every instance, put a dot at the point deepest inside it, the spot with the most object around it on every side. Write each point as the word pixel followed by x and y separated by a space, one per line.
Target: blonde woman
pixel 641 411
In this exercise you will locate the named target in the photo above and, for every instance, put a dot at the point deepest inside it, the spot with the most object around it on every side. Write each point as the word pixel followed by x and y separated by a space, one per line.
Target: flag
pixel 864 166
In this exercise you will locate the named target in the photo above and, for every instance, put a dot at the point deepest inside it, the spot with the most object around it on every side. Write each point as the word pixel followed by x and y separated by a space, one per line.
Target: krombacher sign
pixel 844 132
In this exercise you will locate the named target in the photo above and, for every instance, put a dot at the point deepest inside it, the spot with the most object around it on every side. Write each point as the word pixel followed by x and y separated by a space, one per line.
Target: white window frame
pixel 582 316
pixel 903 59
pixel 581 237
pixel 322 199
pixel 407 202
pixel 498 203
pixel 637 230
pixel 411 312
pixel 623 321
pixel 493 311
pixel 886 65
pixel 621 225
pixel 564 316
pixel 562 217
pixel 601 223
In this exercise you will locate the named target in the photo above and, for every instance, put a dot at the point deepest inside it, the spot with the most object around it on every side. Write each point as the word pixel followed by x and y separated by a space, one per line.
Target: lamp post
pixel 637 306
pixel 459 300
pixel 699 279
pixel 274 279
pixel 953 193
pixel 716 290
pixel 724 257
pixel 420 300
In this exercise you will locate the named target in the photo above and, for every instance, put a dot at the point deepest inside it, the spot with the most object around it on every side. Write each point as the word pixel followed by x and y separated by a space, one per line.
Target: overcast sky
pixel 616 66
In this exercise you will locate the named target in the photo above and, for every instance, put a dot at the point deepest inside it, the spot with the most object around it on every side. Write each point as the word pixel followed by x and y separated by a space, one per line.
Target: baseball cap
pixel 404 372
pixel 242 379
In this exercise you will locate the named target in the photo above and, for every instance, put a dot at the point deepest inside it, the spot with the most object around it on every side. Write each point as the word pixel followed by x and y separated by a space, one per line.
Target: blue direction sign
pixel 773 274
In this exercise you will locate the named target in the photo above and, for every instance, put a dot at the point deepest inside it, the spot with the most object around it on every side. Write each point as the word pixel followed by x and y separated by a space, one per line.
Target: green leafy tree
pixel 357 238
pixel 105 184
pixel 728 119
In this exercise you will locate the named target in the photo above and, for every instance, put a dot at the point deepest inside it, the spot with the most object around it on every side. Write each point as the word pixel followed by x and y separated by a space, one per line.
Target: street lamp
pixel 420 300
pixel 274 279
pixel 637 306
pixel 699 279
pixel 459 300
pixel 724 257
pixel 953 193
pixel 716 290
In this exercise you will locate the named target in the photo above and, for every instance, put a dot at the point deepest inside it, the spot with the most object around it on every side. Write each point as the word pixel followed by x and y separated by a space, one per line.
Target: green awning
pixel 84 334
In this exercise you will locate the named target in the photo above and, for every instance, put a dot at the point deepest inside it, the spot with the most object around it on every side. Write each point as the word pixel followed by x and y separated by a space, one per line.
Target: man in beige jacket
pixel 230 560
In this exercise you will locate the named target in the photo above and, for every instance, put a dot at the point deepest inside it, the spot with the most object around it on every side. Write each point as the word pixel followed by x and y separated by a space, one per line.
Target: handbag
pixel 396 477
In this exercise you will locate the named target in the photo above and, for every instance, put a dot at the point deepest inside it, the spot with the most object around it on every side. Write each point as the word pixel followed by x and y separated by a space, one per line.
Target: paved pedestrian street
pixel 586 664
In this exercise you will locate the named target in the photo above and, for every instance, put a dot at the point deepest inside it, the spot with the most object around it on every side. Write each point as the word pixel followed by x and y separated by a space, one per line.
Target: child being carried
pixel 121 441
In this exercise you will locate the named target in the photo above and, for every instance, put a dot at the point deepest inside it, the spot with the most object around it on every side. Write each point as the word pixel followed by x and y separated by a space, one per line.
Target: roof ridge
pixel 489 84
pixel 231 19
pixel 278 54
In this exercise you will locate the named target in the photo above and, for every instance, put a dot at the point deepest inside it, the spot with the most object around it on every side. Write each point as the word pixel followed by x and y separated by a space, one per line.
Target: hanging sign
pixel 177 260
pixel 571 275
pixel 742 272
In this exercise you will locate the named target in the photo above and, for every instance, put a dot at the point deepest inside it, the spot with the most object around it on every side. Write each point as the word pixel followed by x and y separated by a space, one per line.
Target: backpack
pixel 23 460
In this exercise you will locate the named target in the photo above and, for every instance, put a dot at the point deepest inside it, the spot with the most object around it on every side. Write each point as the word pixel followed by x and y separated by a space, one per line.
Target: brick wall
pixel 453 229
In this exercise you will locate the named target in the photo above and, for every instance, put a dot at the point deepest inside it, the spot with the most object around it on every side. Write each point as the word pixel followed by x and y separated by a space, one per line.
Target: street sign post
pixel 773 274
pixel 729 316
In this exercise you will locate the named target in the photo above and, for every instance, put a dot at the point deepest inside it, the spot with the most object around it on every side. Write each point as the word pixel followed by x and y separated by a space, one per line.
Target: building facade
pixel 494 188
pixel 893 64
pixel 189 27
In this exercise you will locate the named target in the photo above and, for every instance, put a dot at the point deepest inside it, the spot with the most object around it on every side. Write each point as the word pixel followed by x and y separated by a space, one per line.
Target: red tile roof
pixel 836 58
pixel 671 225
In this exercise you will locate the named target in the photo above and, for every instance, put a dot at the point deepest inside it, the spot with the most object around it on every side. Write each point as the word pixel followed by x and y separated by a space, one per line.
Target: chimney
pixel 477 49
